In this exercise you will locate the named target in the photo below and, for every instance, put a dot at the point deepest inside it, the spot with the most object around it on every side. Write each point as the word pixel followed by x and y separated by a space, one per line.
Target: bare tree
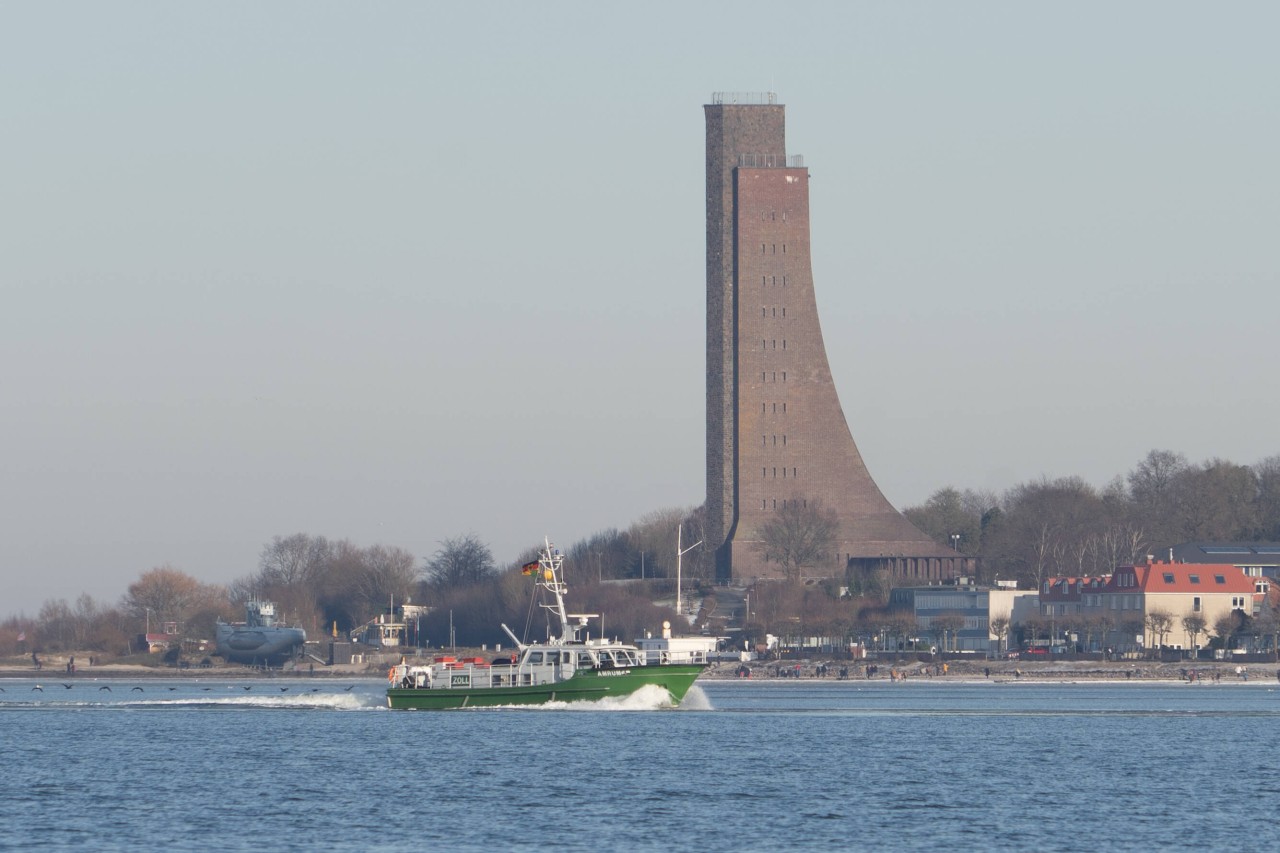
pixel 1000 627
pixel 1033 627
pixel 800 534
pixel 165 594
pixel 387 575
pixel 292 560
pixel 1106 625
pixel 1151 490
pixel 1217 500
pixel 654 535
pixel 1194 624
pixel 57 624
pixel 951 513
pixel 948 626
pixel 460 561
pixel 1118 544
pixel 1267 624
pixel 1267 473
pixel 1226 626
pixel 1158 622
pixel 901 625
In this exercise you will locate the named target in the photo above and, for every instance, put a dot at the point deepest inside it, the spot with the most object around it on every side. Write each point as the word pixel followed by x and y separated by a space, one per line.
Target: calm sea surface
pixel 307 764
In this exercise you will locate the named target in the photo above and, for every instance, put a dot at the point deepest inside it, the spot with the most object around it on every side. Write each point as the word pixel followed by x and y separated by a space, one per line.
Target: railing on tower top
pixel 750 98
pixel 770 161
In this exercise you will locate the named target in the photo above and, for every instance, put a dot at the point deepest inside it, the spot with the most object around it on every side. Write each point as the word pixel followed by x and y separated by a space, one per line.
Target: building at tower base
pixel 776 433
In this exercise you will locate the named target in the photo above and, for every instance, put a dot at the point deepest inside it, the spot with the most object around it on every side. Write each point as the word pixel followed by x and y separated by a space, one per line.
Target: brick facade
pixel 775 429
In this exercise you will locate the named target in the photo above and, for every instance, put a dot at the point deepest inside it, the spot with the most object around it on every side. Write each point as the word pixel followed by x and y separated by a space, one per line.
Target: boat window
pixel 534 657
pixel 553 657
pixel 606 658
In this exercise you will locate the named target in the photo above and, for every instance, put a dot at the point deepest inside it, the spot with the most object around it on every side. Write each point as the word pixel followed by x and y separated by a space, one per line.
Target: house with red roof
pixel 1066 596
pixel 1123 602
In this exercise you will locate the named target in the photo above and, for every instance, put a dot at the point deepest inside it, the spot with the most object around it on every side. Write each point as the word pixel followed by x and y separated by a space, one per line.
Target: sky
pixel 398 272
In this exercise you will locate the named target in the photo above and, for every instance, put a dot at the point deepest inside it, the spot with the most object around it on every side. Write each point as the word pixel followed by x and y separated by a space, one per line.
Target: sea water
pixel 320 764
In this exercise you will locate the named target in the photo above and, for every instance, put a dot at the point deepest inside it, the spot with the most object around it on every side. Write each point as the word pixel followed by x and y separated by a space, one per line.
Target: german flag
pixel 529 567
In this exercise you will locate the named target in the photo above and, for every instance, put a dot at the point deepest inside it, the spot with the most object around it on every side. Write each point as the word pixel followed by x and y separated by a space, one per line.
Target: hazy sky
pixel 395 272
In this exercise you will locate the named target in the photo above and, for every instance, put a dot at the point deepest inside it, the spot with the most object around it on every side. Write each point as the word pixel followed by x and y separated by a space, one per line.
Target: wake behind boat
pixel 569 668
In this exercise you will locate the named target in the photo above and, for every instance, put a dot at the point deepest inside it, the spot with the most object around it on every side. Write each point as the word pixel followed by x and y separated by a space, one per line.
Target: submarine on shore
pixel 259 640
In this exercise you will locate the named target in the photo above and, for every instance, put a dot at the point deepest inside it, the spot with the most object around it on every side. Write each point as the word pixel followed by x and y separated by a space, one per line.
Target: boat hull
pixel 583 686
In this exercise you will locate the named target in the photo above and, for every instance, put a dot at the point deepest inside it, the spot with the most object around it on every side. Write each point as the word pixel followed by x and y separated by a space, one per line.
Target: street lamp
pixel 955 542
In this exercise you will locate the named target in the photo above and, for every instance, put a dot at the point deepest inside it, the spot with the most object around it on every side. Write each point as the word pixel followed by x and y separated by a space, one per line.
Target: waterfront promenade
pixel 807 669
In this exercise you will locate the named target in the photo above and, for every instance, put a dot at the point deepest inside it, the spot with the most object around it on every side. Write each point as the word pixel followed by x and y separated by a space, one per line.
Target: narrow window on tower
pixel 762 344
pixel 784 408
pixel 775 344
pixel 775 408
pixel 784 439
pixel 764 280
pixel 775 248
pixel 775 503
pixel 784 312
pixel 784 248
pixel 784 373
pixel 762 405
pixel 775 376
pixel 764 442
pixel 762 248
pixel 784 281
pixel 775 441
pixel 784 343
pixel 762 376
pixel 793 472
pixel 784 473
pixel 775 312
pixel 764 504
pixel 761 312
pixel 784 216
pixel 775 281
pixel 764 472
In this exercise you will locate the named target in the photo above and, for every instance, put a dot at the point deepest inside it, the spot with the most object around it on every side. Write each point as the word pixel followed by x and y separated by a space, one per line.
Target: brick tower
pixel 775 428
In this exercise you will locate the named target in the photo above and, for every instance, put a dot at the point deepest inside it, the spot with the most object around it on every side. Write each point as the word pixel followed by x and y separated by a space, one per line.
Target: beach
pixel 806 669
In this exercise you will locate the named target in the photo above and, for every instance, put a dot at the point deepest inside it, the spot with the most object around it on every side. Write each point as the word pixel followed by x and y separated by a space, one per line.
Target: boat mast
pixel 679 554
pixel 551 578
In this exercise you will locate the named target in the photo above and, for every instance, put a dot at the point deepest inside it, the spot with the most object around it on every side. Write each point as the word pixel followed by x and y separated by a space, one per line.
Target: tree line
pixel 1032 531
pixel 333 586
pixel 1066 527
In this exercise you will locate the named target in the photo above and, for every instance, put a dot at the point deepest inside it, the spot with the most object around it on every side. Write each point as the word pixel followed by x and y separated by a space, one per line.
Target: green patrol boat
pixel 569 668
